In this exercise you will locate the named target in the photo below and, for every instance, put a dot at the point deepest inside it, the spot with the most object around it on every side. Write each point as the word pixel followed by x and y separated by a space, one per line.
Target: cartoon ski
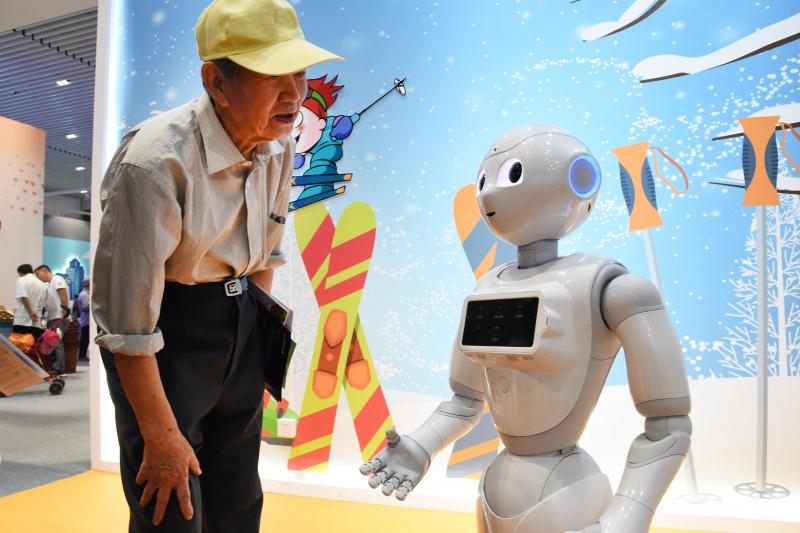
pixel 482 248
pixel 317 188
pixel 302 181
pixel 309 199
pixel 473 452
pixel 337 259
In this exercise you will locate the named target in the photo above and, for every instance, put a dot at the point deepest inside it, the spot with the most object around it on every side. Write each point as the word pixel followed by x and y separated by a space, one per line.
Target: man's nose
pixel 293 88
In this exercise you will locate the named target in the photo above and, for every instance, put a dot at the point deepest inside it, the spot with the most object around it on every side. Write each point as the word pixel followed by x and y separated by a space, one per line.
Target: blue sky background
pixel 475 69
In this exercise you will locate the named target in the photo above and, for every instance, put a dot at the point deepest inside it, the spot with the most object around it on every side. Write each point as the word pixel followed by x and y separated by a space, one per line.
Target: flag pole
pixel 760 191
pixel 760 488
pixel 763 356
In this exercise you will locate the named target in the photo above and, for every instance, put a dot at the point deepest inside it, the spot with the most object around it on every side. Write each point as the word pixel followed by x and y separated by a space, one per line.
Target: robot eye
pixel 298 120
pixel 481 180
pixel 510 173
pixel 584 176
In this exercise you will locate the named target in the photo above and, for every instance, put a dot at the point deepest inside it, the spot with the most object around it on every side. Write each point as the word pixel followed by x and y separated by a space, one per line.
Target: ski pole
pixel 399 86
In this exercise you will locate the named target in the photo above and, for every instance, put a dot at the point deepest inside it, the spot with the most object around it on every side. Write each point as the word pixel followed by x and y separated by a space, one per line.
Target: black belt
pixel 217 289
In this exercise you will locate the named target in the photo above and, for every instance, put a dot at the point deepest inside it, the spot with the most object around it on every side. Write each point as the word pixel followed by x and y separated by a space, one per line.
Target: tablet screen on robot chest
pixel 507 322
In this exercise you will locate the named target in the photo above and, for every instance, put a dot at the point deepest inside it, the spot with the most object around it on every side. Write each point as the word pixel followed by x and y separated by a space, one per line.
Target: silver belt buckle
pixel 233 287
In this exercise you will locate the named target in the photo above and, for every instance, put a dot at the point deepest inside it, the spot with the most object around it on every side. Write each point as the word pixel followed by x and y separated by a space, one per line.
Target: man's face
pixel 44 275
pixel 264 108
pixel 307 130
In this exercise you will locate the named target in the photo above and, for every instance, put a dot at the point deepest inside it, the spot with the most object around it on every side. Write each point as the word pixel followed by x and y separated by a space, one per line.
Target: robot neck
pixel 537 253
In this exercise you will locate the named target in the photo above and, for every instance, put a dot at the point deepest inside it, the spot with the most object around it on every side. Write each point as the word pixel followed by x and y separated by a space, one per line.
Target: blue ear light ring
pixel 584 176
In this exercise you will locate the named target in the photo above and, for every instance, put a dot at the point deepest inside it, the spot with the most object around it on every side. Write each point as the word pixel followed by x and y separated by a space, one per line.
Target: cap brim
pixel 284 58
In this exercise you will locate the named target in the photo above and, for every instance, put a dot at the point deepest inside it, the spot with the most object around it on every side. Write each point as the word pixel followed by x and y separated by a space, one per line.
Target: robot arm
pixel 404 461
pixel 632 307
pixel 458 415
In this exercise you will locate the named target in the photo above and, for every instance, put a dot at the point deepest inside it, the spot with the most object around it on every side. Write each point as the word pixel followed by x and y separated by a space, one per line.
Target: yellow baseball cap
pixel 261 35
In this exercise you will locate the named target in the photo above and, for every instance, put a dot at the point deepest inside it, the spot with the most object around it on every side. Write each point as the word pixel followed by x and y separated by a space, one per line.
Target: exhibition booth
pixel 689 112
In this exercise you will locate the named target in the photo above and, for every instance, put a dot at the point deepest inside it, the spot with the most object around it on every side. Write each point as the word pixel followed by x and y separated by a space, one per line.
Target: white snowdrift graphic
pixel 662 67
pixel 637 12
pixel 735 178
pixel 789 113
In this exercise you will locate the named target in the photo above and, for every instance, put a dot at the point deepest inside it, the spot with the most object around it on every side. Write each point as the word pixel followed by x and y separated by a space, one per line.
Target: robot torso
pixel 542 386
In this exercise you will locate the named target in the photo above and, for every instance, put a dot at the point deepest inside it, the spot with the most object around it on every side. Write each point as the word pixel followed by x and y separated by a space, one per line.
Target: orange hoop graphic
pixel 638 185
pixel 760 160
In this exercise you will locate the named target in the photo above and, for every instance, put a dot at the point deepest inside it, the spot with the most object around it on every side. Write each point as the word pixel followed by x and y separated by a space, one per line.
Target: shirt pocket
pixel 272 239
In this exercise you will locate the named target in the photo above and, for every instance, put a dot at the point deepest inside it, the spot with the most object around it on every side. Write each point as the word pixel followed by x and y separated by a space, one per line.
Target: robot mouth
pixel 297 139
pixel 490 213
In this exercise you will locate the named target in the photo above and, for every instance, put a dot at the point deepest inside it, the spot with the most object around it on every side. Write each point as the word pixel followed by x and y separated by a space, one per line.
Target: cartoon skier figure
pixel 319 141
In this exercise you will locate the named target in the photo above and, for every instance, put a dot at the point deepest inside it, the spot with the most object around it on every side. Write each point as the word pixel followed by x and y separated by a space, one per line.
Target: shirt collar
pixel 221 153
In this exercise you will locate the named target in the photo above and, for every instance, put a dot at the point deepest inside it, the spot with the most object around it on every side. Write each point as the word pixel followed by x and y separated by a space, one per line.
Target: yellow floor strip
pixel 93 503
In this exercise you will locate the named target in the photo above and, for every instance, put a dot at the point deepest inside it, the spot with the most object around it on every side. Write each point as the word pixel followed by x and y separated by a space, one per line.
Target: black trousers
pixel 84 343
pixel 213 374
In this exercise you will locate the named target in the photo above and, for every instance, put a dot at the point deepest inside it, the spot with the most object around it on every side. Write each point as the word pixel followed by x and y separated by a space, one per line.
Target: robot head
pixel 537 182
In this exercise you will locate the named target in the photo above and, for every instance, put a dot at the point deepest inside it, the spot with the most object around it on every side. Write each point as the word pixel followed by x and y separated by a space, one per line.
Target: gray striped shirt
pixel 180 203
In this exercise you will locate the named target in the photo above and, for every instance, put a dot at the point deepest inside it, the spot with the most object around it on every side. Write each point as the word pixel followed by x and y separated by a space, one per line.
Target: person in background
pixel 56 308
pixel 29 303
pixel 81 311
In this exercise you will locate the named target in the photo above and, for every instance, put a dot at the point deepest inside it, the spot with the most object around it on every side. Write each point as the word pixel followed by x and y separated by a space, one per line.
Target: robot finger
pixel 391 485
pixel 370 467
pixel 405 487
pixel 380 478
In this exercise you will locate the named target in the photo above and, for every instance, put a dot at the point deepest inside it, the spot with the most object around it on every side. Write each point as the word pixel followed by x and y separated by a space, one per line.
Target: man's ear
pixel 214 82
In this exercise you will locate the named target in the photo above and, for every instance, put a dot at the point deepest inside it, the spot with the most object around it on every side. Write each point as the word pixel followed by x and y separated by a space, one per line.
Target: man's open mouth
pixel 286 117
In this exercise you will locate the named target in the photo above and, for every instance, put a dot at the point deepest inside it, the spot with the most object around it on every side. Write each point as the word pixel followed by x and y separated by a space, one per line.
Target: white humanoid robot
pixel 536 341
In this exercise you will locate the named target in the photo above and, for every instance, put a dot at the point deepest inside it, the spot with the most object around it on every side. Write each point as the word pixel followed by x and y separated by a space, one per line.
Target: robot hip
pixel 549 492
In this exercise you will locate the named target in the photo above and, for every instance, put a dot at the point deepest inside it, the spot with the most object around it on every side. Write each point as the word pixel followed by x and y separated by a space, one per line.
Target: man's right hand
pixel 168 457
pixel 165 467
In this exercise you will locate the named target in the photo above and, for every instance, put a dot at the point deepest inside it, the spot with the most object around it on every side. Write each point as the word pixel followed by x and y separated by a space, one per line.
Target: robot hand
pixel 399 467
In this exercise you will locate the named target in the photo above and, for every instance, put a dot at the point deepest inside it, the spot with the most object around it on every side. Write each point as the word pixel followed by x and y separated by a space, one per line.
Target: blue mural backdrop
pixel 69 259
pixel 475 69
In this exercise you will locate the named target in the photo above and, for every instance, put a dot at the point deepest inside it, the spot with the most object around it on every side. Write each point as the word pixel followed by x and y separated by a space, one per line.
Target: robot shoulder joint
pixel 628 295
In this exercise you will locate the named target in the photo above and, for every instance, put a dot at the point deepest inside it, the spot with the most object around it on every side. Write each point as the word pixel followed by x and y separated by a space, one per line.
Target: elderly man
pixel 194 203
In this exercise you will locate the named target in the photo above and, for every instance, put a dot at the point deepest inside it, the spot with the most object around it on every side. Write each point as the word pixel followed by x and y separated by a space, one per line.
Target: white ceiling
pixel 33 56
pixel 19 13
